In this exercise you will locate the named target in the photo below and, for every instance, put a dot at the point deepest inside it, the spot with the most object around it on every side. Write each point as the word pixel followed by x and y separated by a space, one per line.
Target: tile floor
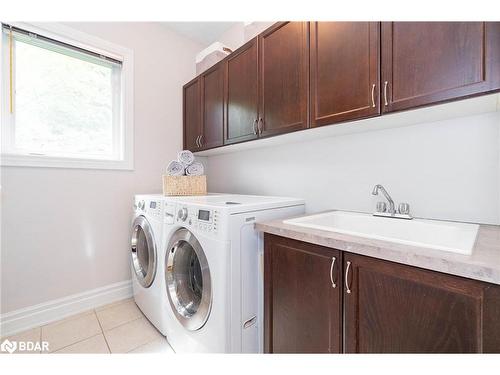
pixel 119 327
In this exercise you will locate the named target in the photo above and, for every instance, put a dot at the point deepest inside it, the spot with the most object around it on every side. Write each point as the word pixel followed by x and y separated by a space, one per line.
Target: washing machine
pixel 146 254
pixel 213 270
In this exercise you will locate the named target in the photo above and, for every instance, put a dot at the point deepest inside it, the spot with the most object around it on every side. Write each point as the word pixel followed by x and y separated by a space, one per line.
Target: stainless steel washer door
pixel 143 249
pixel 188 282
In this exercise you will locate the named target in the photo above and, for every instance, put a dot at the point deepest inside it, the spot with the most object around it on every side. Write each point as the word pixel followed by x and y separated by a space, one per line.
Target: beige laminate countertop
pixel 483 264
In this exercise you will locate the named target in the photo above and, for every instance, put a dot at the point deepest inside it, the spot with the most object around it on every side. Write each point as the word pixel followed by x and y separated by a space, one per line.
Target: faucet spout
pixel 375 191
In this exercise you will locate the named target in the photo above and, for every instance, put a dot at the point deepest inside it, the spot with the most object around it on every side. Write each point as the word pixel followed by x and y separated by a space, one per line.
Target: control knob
pixel 182 214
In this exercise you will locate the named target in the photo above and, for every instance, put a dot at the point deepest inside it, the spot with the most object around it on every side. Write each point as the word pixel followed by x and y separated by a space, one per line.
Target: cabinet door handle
pixel 334 285
pixel 347 287
pixel 385 93
pixel 261 123
pixel 373 95
pixel 201 140
pixel 255 129
pixel 198 141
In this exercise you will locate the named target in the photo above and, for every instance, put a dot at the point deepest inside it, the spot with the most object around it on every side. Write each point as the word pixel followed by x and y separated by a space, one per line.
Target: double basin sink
pixel 433 234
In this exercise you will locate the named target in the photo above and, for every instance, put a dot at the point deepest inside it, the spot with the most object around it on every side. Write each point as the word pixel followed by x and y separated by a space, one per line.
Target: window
pixel 65 100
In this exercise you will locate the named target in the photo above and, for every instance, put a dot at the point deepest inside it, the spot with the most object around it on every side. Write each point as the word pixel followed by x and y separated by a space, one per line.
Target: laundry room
pixel 200 179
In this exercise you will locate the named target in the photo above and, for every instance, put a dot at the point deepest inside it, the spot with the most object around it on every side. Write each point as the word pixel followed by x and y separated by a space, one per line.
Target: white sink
pixel 440 235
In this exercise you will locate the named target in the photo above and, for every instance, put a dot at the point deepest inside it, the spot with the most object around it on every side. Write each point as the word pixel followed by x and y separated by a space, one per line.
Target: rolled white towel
pixel 185 157
pixel 175 168
pixel 195 169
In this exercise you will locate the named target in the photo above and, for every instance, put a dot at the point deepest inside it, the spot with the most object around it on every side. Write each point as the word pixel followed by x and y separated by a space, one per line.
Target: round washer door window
pixel 188 282
pixel 143 250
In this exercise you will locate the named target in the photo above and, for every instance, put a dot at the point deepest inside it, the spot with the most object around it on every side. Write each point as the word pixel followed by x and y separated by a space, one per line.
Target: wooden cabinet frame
pixel 371 92
pixel 384 307
pixel 382 70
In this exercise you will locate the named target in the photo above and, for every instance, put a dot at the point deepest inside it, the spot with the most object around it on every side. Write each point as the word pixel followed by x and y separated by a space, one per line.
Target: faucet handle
pixel 381 207
pixel 404 208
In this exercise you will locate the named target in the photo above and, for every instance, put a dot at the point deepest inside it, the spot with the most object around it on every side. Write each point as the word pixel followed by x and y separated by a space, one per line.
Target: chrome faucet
pixel 403 208
pixel 392 210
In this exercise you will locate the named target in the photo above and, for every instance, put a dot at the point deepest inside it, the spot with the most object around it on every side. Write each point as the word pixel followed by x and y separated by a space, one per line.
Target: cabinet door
pixel 242 95
pixel 344 71
pixel 192 114
pixel 302 309
pixel 212 99
pixel 429 62
pixel 284 78
pixel 393 308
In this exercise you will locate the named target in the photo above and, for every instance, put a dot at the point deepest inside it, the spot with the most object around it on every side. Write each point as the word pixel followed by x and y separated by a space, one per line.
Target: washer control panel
pixel 153 208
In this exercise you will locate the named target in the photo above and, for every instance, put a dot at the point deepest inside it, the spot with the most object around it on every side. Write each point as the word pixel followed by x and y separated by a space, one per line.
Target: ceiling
pixel 204 33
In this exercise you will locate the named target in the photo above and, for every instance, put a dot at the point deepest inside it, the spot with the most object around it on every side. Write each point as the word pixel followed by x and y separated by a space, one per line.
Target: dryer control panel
pixel 200 219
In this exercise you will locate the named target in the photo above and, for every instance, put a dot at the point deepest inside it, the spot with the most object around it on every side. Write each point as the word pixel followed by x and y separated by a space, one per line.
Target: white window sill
pixel 13 160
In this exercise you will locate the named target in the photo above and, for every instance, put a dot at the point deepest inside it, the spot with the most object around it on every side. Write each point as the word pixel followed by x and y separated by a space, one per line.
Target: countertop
pixel 483 264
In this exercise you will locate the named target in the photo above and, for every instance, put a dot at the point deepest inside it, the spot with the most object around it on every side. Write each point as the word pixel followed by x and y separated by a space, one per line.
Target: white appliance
pixel 147 254
pixel 213 270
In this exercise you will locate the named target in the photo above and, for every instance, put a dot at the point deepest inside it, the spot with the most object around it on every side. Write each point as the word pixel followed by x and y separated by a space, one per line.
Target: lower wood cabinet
pixel 303 297
pixel 376 306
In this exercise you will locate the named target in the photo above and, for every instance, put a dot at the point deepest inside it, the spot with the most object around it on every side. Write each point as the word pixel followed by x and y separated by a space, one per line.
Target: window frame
pixel 123 139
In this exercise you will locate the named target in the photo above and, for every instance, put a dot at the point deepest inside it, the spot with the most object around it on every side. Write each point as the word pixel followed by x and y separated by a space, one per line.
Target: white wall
pixel 446 170
pixel 66 231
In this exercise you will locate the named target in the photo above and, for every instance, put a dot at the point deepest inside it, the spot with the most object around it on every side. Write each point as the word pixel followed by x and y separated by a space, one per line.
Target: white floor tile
pixel 118 314
pixel 92 345
pixel 70 330
pixel 116 303
pixel 160 346
pixel 131 335
pixel 32 335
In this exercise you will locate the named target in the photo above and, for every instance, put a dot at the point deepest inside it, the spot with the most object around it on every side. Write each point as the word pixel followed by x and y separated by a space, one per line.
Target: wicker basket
pixel 184 185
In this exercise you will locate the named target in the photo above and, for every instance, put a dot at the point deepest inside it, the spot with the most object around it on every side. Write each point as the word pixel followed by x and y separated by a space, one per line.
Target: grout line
pixel 102 331
pixel 77 342
pixel 144 344
pixel 91 311
pixel 68 318
pixel 122 324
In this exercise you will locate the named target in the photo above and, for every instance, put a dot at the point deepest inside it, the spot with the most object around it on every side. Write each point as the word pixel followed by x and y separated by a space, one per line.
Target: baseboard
pixel 34 316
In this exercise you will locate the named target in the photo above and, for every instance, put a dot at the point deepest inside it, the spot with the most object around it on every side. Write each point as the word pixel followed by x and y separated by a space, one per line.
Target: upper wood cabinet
pixel 284 78
pixel 429 62
pixel 345 82
pixel 242 95
pixel 192 114
pixel 393 308
pixel 297 75
pixel 302 291
pixel 212 111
